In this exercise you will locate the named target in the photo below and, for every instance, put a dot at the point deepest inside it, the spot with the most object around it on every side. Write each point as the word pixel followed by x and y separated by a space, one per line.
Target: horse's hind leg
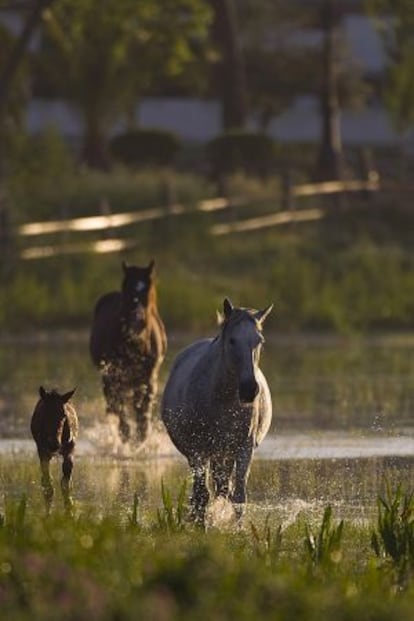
pixel 111 393
pixel 143 398
pixel 200 495
pixel 65 483
pixel 113 390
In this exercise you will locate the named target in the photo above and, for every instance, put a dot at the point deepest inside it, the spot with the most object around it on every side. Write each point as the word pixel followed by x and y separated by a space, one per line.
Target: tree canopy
pixel 395 20
pixel 104 54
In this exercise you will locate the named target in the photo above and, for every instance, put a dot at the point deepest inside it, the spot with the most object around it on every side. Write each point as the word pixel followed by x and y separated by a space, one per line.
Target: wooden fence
pixel 108 222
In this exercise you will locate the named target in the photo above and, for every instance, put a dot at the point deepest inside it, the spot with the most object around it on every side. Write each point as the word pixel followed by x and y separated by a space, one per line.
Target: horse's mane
pixel 152 296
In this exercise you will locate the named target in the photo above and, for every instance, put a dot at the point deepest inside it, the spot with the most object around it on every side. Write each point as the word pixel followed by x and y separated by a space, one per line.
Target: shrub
pixel 235 151
pixel 41 169
pixel 145 147
pixel 393 539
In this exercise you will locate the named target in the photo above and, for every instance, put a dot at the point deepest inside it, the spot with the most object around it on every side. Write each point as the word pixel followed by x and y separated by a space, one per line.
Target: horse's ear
pixel 150 266
pixel 124 266
pixel 261 315
pixel 219 317
pixel 227 308
pixel 42 392
pixel 68 395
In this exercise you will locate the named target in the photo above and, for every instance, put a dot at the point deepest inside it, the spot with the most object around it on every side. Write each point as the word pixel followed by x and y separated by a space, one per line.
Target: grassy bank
pixel 120 565
pixel 352 270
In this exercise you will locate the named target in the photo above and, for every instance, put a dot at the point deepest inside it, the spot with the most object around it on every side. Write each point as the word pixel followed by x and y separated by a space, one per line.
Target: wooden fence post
pixel 105 210
pixel 288 199
pixel 169 192
pixel 368 170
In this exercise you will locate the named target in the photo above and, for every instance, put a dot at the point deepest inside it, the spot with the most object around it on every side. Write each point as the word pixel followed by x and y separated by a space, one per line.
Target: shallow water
pixel 343 424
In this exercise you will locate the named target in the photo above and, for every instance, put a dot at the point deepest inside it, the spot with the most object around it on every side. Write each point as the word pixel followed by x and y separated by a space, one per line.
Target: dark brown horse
pixel 128 344
pixel 54 427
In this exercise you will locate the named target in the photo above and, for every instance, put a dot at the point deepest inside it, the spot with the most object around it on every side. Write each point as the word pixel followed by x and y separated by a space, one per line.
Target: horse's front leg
pixel 65 483
pixel 46 481
pixel 200 495
pixel 243 462
pixel 221 470
pixel 143 398
pixel 113 390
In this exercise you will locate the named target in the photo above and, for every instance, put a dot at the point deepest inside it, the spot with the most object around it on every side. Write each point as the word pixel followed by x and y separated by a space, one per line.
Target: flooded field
pixel 343 424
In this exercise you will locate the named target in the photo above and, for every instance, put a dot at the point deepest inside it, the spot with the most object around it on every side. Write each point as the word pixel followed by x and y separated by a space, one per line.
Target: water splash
pixel 220 514
pixel 105 438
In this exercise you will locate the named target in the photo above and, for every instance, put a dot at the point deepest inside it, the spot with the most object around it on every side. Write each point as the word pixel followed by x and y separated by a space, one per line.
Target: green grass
pixel 116 565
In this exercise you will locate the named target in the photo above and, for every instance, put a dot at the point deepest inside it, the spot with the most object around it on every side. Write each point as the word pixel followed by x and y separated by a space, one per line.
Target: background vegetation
pixel 352 270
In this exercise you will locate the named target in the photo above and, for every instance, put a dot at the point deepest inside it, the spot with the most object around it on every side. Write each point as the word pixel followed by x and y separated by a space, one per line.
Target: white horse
pixel 217 406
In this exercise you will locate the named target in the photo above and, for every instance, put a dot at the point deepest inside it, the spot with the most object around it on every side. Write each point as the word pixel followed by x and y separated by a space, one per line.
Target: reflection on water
pixel 343 424
pixel 284 489
pixel 316 383
pixel 342 384
pixel 350 485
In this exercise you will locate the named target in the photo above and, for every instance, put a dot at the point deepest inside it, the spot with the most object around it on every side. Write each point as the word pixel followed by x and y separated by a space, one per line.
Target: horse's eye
pixel 232 341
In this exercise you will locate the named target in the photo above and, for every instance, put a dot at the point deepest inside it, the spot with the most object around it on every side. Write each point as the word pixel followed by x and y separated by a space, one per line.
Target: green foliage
pixel 324 547
pixel 170 517
pixel 121 48
pixel 94 565
pixel 12 113
pixel 41 169
pixel 393 539
pixel 267 543
pixel 145 147
pixel 14 519
pixel 395 22
pixel 68 193
pixel 133 517
pixel 235 151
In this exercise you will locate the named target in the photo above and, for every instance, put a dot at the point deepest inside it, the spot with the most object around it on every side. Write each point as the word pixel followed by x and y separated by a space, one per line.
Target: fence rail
pixel 337 187
pixel 108 221
pixel 117 220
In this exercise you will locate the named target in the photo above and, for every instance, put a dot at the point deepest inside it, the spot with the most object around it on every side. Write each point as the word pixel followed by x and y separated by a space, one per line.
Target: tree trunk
pixel 95 153
pixel 15 58
pixel 230 72
pixel 330 160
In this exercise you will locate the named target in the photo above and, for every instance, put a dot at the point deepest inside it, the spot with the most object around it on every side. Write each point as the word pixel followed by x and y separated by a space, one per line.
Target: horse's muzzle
pixel 248 391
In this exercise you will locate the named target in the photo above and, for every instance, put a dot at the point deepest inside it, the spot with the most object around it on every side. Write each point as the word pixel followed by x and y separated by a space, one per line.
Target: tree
pixel 229 70
pixel 278 65
pixel 395 20
pixel 292 49
pixel 103 54
pixel 330 159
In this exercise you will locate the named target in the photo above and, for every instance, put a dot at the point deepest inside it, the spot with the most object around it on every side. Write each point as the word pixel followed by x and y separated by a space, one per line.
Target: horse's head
pixel 242 341
pixel 138 291
pixel 53 407
pixel 137 284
